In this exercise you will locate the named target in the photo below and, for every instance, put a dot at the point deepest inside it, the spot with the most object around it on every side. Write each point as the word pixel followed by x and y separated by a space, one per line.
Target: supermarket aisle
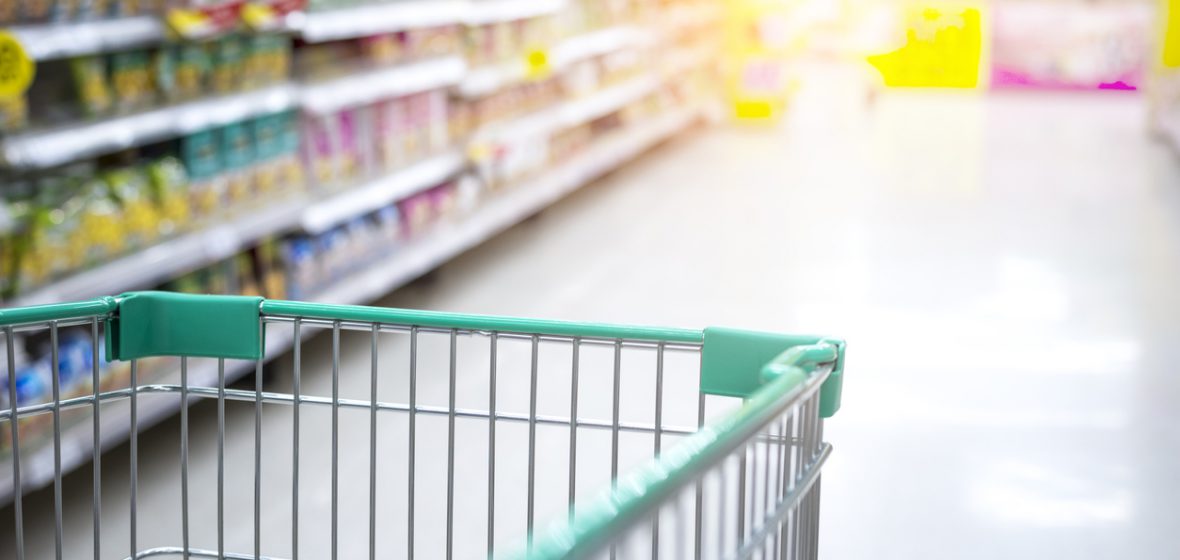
pixel 1003 270
pixel 1003 267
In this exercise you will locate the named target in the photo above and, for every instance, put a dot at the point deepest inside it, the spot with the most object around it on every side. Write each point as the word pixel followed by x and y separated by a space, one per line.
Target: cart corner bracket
pixel 170 324
pixel 733 362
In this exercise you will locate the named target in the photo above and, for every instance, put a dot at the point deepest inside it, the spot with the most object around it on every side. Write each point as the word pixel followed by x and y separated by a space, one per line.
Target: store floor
pixel 1004 268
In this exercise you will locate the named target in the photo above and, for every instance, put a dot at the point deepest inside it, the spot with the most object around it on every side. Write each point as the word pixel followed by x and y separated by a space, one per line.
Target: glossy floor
pixel 1004 267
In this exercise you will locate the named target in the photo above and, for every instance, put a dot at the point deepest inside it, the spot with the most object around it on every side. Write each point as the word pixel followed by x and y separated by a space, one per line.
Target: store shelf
pixel 365 21
pixel 166 260
pixel 570 113
pixel 367 87
pixel 482 12
pixel 416 258
pixel 61 40
pixel 484 81
pixel 374 195
pixel 47 148
pixel 504 210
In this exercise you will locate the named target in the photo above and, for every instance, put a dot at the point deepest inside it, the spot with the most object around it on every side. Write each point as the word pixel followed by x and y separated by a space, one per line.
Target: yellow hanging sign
pixel 16 68
pixel 537 65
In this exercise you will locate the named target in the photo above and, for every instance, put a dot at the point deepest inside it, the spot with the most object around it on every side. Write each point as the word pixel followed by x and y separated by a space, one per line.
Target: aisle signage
pixel 16 68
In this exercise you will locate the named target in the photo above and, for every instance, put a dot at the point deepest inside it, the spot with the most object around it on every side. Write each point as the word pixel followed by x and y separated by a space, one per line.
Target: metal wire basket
pixel 455 438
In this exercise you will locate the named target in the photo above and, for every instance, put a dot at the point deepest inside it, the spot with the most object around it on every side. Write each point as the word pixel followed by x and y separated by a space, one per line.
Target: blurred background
pixel 982 197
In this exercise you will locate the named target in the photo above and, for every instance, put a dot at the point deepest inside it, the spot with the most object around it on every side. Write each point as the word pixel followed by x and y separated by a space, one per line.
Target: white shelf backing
pixel 483 81
pixel 364 21
pixel 415 259
pixel 570 113
pixel 367 87
pixel 41 149
pixel 61 40
pixel 373 195
pixel 481 12
pixel 502 211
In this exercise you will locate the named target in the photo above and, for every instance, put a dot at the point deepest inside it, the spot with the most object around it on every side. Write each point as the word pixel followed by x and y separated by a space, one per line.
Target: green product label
pixel 201 154
pixel 268 136
pixel 237 146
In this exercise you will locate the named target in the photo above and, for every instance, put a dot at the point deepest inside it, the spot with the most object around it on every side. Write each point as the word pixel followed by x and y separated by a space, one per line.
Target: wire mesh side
pixel 760 501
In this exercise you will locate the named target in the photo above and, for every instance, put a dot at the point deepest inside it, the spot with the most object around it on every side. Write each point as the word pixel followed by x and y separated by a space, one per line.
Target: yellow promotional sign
pixel 1171 33
pixel 16 68
pixel 537 66
pixel 943 47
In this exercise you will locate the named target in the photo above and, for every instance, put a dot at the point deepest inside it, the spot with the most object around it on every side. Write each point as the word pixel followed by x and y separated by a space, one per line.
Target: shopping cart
pixel 743 482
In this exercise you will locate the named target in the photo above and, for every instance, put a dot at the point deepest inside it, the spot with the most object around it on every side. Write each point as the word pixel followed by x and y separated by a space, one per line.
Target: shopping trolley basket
pixel 401 434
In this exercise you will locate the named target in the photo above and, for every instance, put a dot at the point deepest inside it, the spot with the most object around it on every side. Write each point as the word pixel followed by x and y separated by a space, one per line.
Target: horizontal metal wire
pixel 405 328
pixel 287 399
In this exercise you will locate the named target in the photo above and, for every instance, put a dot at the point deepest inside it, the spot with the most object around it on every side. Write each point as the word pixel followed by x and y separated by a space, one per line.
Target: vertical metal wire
pixel 492 445
pixel 532 437
pixel 55 370
pixel 295 402
pixel 614 440
pixel 258 451
pixel 659 433
pixel 765 485
pixel 373 446
pixel 335 437
pixel 221 457
pixel 183 457
pixel 96 451
pixel 412 442
pixel 451 447
pixel 573 466
pixel 17 491
pixel 722 504
pixel 698 512
pixel 741 509
pixel 134 454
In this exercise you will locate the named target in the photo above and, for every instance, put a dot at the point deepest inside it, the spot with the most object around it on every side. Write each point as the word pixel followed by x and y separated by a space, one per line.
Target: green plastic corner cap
pixel 733 362
pixel 171 324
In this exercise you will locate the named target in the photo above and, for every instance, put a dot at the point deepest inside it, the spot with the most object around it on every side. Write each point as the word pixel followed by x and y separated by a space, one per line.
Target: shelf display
pixel 331 167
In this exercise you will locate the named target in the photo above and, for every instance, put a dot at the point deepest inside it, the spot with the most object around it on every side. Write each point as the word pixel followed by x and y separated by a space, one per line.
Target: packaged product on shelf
pixel 94 225
pixel 131 80
pixel 388 123
pixel 436 115
pixel 381 49
pixel 268 261
pixel 131 190
pixel 303 274
pixel 9 12
pixel 192 70
pixel 291 175
pixel 202 158
pixel 389 228
pixel 237 157
pixel 347 139
pixel 90 77
pixel 35 11
pixel 169 187
pixel 267 59
pixel 247 281
pixel 14 113
pixel 320 149
pixel 227 59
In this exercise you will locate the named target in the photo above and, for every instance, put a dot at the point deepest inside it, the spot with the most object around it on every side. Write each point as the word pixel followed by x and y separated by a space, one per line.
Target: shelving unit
pixel 63 144
pixel 412 260
pixel 61 40
pixel 322 210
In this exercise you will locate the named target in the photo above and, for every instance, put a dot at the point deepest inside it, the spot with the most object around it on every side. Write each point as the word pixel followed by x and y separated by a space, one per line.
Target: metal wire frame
pixel 796 527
